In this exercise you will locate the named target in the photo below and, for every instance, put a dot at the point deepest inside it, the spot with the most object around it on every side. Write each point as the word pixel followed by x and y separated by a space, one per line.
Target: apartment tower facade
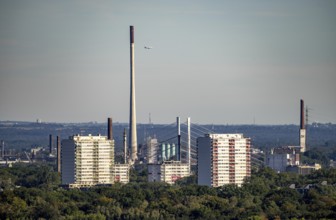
pixel 223 159
pixel 87 161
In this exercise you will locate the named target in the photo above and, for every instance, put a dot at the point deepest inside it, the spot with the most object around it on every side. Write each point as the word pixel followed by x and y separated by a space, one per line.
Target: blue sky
pixel 218 62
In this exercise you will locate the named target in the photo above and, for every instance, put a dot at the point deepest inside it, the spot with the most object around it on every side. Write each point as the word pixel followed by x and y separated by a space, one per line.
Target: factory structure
pixel 288 158
pixel 280 158
pixel 223 159
pixel 164 161
pixel 88 160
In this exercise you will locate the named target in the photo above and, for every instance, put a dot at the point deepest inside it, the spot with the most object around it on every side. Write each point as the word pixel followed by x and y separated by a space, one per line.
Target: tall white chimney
pixel 133 144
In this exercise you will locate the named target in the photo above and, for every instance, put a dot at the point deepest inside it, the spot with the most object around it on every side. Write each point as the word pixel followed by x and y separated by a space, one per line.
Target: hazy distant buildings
pixel 223 159
pixel 87 161
pixel 281 157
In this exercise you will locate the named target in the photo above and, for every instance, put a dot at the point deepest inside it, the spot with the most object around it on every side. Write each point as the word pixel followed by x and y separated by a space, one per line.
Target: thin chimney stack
pixel 178 151
pixel 302 119
pixel 302 128
pixel 109 129
pixel 50 143
pixel 58 142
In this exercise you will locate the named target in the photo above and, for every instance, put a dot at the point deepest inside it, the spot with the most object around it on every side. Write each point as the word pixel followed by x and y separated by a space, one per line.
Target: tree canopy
pixel 33 192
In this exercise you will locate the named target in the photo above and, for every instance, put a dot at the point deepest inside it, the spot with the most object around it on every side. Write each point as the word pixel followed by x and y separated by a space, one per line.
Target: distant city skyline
pixel 218 62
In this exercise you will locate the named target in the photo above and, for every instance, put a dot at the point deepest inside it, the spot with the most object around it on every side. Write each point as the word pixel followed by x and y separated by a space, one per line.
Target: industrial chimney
pixel 125 146
pixel 133 145
pixel 302 128
pixel 58 154
pixel 50 143
pixel 178 150
pixel 109 129
pixel 189 144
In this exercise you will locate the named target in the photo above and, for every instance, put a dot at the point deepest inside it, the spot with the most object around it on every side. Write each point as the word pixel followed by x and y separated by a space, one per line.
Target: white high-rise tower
pixel 223 159
pixel 133 144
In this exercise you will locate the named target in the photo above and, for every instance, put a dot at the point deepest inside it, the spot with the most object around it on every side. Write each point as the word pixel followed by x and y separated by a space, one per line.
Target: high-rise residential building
pixel 87 161
pixel 168 171
pixel 223 159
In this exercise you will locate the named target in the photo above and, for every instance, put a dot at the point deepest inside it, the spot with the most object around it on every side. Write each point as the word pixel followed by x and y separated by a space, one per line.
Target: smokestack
pixel 302 128
pixel 50 143
pixel 133 144
pixel 125 146
pixel 109 129
pixel 178 150
pixel 189 144
pixel 302 122
pixel 58 154
pixel 3 149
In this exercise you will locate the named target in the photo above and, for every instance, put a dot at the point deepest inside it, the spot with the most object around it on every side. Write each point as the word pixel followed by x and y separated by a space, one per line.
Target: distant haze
pixel 235 62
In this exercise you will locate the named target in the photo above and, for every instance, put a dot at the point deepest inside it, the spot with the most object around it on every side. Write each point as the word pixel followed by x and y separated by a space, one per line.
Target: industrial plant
pixel 216 158
pixel 288 158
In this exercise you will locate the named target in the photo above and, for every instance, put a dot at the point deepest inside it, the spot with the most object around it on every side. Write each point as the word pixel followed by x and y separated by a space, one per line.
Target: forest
pixel 33 192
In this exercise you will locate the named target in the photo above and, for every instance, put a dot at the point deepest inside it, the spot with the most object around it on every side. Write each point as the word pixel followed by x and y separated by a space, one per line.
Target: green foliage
pixel 187 180
pixel 317 156
pixel 32 192
pixel 139 174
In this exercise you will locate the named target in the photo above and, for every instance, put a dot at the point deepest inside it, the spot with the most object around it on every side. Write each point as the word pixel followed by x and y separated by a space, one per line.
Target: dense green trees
pixel 32 192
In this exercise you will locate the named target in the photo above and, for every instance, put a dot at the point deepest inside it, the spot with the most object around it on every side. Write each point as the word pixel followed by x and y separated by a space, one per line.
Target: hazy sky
pixel 218 62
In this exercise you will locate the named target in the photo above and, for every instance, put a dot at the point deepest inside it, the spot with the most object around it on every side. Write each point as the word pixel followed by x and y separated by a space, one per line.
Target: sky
pixel 218 62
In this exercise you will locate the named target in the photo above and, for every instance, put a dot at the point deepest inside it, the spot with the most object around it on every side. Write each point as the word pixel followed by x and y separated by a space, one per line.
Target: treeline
pixel 23 135
pixel 33 192
pixel 321 155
